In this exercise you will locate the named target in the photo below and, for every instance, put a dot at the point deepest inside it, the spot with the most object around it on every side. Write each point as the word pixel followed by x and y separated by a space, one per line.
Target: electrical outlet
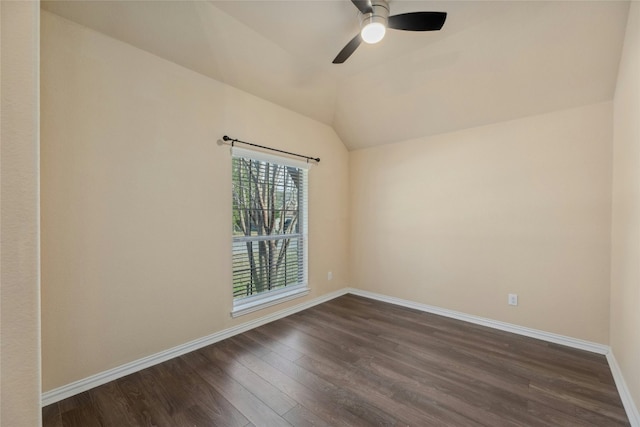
pixel 330 275
pixel 513 299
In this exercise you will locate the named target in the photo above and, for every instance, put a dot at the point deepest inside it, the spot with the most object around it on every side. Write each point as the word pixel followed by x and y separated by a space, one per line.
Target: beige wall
pixel 462 219
pixel 625 242
pixel 19 251
pixel 136 201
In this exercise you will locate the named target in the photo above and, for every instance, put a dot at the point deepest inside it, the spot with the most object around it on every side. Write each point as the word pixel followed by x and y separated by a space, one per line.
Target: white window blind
pixel 269 249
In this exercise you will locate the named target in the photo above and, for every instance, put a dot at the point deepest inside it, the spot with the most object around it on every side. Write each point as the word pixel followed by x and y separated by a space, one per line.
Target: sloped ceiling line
pixel 493 61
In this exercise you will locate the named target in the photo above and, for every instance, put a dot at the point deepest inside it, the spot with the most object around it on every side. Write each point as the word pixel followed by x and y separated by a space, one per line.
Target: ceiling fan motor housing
pixel 379 14
pixel 375 19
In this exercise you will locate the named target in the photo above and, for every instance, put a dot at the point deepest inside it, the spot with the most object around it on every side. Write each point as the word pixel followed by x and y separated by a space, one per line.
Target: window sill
pixel 241 308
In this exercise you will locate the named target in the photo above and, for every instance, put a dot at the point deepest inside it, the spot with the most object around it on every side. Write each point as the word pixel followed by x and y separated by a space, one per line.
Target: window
pixel 269 249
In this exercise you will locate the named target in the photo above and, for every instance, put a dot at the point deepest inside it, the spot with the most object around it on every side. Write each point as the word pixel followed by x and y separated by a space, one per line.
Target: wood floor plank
pixel 379 392
pixel 79 410
pixel 264 390
pixel 317 403
pixel 113 407
pixel 302 417
pixel 220 410
pixel 142 403
pixel 51 416
pixel 251 407
pixel 363 383
pixel 353 361
pixel 353 409
pixel 266 343
pixel 185 395
pixel 584 404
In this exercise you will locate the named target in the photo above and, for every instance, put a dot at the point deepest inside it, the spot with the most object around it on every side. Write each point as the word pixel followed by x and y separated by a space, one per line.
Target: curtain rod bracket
pixel 226 138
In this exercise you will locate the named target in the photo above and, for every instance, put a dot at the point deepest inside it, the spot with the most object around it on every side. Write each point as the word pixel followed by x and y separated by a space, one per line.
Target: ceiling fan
pixel 375 20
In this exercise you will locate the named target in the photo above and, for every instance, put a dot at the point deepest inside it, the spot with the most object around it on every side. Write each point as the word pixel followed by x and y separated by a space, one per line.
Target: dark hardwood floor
pixel 355 361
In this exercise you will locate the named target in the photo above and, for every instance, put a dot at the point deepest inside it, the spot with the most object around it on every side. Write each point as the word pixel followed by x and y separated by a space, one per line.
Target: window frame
pixel 248 304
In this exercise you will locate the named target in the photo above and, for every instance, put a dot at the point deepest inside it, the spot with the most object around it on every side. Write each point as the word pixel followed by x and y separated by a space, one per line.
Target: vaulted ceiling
pixel 492 61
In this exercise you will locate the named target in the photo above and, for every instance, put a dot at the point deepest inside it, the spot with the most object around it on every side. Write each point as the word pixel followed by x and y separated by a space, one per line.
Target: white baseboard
pixel 625 395
pixel 495 324
pixel 96 380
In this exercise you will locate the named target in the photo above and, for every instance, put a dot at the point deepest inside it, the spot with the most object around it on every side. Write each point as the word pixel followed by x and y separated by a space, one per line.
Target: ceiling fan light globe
pixel 373 32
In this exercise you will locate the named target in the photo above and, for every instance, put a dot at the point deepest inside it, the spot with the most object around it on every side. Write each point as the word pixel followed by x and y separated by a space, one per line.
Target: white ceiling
pixel 493 60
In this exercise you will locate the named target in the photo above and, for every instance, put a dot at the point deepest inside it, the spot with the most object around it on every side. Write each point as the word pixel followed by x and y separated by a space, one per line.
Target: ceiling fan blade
pixel 418 21
pixel 346 51
pixel 363 6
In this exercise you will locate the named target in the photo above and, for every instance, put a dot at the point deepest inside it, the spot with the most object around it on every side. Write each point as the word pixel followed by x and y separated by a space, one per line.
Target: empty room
pixel 332 212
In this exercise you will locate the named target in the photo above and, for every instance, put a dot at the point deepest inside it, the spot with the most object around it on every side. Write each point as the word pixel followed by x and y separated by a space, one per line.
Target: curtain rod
pixel 233 141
